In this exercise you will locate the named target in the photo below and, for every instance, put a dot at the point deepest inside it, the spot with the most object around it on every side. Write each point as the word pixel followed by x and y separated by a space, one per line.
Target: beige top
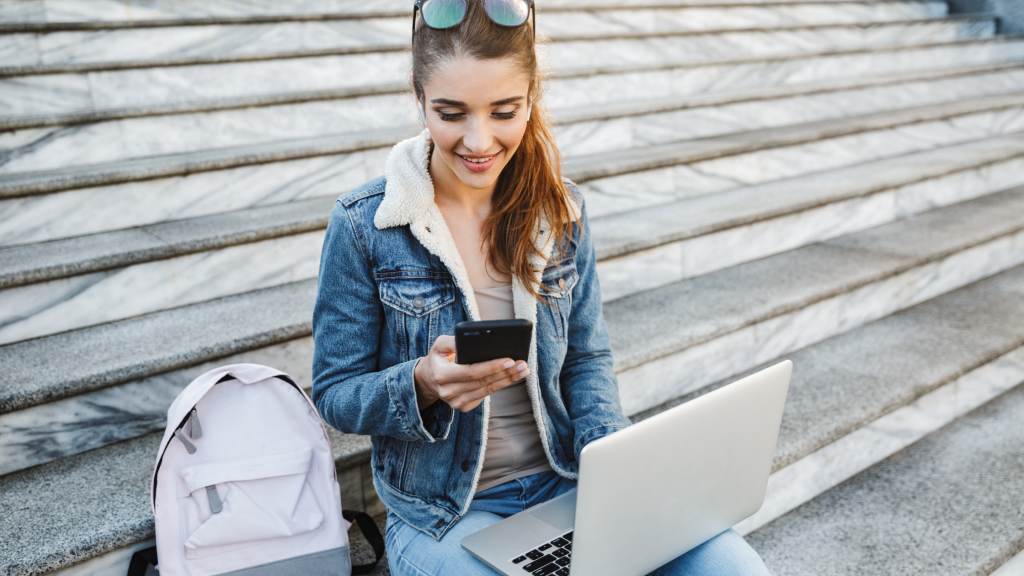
pixel 514 448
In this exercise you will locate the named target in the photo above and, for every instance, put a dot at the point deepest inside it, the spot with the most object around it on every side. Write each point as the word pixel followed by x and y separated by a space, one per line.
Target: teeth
pixel 478 160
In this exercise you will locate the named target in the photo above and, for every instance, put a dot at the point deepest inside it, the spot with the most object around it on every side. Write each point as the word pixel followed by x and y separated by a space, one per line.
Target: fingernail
pixel 524 373
pixel 521 367
pixel 508 364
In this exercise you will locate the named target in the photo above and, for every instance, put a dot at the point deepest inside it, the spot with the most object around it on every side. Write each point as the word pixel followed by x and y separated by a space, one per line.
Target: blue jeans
pixel 413 553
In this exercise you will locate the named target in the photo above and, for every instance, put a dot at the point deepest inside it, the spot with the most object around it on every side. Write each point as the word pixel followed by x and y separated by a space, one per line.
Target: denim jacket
pixel 391 282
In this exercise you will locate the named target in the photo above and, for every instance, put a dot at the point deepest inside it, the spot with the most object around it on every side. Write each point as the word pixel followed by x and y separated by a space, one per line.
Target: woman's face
pixel 476 112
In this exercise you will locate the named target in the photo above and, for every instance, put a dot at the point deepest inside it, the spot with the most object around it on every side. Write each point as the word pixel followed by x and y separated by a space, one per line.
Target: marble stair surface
pixel 75 283
pixel 58 99
pixel 32 162
pixel 29 158
pixel 717 322
pixel 908 359
pixel 656 175
pixel 41 50
pixel 949 504
pixel 838 182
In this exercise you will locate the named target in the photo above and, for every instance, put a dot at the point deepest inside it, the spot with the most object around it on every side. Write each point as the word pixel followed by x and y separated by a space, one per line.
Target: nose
pixel 478 138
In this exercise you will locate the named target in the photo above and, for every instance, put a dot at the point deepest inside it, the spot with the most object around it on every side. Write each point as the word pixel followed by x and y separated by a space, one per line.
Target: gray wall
pixel 1010 12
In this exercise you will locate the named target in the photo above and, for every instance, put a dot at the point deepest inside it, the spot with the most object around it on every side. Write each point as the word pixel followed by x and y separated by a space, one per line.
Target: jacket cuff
pixel 433 423
pixel 591 435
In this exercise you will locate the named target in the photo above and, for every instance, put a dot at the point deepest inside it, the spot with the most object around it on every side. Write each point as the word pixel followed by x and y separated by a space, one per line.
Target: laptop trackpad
pixel 559 512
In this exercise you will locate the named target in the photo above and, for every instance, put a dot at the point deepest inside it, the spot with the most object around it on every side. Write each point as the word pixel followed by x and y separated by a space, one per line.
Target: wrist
pixel 424 395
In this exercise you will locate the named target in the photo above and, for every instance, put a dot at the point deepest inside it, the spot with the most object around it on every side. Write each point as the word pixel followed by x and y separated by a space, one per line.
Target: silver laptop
pixel 651 492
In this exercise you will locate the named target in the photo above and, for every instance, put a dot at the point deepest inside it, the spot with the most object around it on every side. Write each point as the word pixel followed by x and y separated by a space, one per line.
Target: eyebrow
pixel 447 102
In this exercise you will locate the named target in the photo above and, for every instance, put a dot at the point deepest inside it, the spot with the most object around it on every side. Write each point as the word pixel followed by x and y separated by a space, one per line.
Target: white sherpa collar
pixel 409 201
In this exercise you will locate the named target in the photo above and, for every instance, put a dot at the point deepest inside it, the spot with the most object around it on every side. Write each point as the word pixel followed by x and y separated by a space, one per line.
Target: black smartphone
pixel 492 339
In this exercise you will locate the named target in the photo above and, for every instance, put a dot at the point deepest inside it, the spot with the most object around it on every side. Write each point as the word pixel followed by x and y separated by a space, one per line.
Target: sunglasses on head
pixel 442 14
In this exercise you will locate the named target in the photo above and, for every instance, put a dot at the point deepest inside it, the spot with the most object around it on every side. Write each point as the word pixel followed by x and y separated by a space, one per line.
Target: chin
pixel 478 181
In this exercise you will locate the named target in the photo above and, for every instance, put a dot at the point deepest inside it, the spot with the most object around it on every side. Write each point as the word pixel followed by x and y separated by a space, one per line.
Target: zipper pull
pixel 214 498
pixel 190 447
pixel 196 431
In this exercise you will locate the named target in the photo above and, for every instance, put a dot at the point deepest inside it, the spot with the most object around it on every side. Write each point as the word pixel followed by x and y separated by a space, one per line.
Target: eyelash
pixel 499 115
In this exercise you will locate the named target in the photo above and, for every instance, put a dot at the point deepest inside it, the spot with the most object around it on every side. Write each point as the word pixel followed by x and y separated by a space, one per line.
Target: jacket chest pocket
pixel 416 309
pixel 557 284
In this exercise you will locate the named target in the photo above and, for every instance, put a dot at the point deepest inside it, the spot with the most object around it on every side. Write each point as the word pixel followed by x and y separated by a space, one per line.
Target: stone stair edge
pixel 169 340
pixel 148 168
pixel 632 160
pixel 920 511
pixel 872 256
pixel 38 69
pixel 564 116
pixel 840 84
pixel 89 25
pixel 580 168
pixel 662 214
pixel 95 365
pixel 864 339
pixel 44 261
pixel 357 452
pixel 31 263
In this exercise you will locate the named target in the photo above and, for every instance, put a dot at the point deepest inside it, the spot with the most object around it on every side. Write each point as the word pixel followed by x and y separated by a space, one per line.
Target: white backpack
pixel 245 483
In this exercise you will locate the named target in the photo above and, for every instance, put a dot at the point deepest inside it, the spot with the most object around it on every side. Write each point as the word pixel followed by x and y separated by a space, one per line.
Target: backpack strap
pixel 369 529
pixel 141 561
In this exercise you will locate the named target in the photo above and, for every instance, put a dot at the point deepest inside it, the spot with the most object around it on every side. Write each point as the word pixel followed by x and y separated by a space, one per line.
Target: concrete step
pixel 573 45
pixel 36 15
pixel 293 170
pixel 62 99
pixel 857 398
pixel 706 329
pixel 715 165
pixel 665 244
pixel 581 130
pixel 838 146
pixel 960 340
pixel 716 45
pixel 950 504
pixel 133 275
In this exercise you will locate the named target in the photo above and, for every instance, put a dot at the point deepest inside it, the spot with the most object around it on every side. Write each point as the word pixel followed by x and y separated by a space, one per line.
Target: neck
pixel 450 191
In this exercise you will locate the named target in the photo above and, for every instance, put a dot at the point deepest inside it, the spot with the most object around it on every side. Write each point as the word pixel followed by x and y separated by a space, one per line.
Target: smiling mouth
pixel 478 160
pixel 479 164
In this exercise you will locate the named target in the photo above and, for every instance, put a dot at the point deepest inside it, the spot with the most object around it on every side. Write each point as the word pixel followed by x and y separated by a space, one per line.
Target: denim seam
pixel 403 417
pixel 358 234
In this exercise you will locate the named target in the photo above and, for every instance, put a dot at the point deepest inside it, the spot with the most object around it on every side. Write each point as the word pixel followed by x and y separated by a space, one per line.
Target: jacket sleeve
pixel 589 387
pixel 350 391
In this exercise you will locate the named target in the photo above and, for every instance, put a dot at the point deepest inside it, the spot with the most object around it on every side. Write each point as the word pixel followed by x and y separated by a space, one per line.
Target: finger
pixel 469 407
pixel 485 390
pixel 511 373
pixel 483 369
pixel 444 345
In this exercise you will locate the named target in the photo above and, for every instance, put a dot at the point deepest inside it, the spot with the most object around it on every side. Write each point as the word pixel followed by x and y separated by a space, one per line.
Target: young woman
pixel 471 221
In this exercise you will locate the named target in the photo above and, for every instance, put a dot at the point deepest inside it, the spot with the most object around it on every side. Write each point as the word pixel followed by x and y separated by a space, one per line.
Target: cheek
pixel 444 135
pixel 511 135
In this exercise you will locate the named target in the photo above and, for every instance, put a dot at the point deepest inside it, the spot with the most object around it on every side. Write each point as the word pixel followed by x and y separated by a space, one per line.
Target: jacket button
pixel 465 465
pixel 561 283
pixel 439 524
pixel 418 302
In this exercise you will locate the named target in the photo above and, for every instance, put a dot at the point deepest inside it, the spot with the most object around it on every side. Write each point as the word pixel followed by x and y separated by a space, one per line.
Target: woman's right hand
pixel 461 386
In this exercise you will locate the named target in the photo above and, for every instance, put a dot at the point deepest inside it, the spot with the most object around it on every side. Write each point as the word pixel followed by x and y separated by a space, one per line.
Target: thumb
pixel 444 345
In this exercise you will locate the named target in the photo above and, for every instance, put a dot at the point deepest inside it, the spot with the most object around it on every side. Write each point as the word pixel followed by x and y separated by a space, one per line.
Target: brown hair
pixel 531 183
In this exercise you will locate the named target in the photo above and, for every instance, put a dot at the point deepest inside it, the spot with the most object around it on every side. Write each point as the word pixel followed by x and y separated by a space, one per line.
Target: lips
pixel 477 163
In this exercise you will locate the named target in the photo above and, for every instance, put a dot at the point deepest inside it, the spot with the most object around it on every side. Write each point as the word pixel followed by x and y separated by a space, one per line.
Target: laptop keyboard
pixel 549 558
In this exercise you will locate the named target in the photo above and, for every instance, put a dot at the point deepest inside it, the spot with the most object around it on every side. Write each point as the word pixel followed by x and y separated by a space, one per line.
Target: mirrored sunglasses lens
pixel 443 13
pixel 508 12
